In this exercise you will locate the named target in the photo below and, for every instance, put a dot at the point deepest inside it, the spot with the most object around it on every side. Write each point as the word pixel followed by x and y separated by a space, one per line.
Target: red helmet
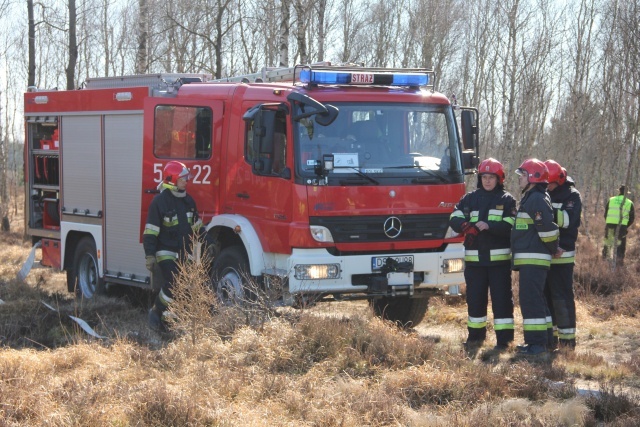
pixel 557 173
pixel 535 170
pixel 172 172
pixel 492 166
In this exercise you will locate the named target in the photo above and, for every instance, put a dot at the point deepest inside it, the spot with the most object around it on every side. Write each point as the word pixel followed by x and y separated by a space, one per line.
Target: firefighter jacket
pixel 567 207
pixel 170 223
pixel 613 208
pixel 534 238
pixel 497 208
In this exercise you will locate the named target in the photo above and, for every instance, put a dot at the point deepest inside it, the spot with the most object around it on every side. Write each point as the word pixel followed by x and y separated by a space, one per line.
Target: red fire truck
pixel 336 181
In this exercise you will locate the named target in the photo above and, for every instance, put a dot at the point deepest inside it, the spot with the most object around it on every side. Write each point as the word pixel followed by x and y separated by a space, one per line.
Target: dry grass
pixel 331 365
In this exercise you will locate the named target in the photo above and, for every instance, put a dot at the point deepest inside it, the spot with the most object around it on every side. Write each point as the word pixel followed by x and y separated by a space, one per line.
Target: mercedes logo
pixel 392 227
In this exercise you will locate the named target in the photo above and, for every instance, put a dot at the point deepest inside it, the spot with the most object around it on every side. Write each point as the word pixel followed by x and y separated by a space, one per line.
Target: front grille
pixel 352 229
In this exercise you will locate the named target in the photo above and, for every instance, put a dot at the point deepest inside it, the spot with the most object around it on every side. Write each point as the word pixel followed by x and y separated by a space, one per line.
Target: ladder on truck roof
pixel 157 81
pixel 291 74
pixel 271 74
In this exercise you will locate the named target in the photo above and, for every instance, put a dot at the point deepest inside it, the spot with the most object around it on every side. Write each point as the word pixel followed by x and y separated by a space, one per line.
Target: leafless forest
pixel 551 79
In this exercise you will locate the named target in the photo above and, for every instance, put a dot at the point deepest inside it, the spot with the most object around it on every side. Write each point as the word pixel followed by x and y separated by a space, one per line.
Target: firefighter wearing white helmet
pixel 534 240
pixel 171 222
pixel 485 216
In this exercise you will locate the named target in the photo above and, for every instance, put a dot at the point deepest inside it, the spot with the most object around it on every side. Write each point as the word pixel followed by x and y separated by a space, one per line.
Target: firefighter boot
pixel 569 344
pixel 532 350
pixel 155 319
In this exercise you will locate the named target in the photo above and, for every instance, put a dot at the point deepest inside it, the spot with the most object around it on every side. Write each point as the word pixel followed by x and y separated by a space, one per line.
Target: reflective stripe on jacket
pixel 567 205
pixel 169 225
pixel 496 208
pixel 534 237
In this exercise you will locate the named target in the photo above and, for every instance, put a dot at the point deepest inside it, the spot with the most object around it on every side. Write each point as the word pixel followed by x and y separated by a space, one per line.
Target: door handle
pixel 244 195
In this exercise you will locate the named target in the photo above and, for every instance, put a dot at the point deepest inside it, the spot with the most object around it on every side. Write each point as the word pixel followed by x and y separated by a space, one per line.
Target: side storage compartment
pixel 43 170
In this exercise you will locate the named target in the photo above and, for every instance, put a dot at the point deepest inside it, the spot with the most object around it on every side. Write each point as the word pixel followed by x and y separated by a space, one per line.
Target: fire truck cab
pixel 330 183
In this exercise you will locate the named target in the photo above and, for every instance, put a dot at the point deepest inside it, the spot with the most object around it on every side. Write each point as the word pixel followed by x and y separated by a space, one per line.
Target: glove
pixel 466 226
pixel 150 262
pixel 470 232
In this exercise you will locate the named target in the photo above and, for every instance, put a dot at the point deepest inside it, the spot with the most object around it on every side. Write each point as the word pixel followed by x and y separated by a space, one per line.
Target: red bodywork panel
pixel 278 208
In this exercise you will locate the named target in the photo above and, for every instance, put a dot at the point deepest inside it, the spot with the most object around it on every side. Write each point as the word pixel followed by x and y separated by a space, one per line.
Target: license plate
pixel 377 262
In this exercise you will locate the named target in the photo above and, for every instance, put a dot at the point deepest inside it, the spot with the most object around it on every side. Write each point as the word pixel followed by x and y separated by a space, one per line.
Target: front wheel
pixel 231 276
pixel 86 274
pixel 408 312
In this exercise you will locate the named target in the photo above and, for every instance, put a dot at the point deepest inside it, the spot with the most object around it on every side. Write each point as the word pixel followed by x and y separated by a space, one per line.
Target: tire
pixel 407 312
pixel 85 273
pixel 230 275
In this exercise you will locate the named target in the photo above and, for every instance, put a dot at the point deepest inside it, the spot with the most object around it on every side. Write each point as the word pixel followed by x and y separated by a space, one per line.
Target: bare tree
pixel 73 46
pixel 321 9
pixel 283 40
pixel 31 79
pixel 142 60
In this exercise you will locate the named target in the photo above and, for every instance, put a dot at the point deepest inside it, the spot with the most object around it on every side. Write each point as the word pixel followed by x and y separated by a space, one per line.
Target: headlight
pixel 321 234
pixel 453 265
pixel 317 271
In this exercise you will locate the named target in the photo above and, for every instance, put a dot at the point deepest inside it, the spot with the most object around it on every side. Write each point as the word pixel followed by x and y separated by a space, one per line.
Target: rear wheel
pixel 230 276
pixel 86 275
pixel 408 312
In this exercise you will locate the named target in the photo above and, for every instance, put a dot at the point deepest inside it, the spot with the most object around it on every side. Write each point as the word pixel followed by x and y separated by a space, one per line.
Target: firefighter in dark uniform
pixel 567 206
pixel 485 216
pixel 172 220
pixel 534 239
pixel 619 214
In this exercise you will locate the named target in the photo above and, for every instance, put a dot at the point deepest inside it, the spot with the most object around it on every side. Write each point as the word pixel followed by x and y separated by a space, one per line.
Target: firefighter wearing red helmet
pixel 534 240
pixel 485 216
pixel 171 221
pixel 567 206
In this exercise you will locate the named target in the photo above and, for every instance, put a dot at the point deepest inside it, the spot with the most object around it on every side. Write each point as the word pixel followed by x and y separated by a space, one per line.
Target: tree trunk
pixel 301 31
pixel 321 6
pixel 142 58
pixel 31 79
pixel 73 46
pixel 283 44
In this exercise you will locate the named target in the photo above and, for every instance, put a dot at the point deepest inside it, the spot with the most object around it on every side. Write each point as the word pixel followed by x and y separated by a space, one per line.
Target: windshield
pixel 374 142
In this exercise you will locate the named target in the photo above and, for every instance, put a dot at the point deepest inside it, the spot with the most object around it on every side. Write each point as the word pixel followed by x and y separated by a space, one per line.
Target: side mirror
pixel 469 159
pixel 469 118
pixel 325 119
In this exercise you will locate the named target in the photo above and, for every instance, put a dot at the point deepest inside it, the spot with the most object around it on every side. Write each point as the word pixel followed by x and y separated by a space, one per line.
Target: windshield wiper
pixel 360 174
pixel 432 173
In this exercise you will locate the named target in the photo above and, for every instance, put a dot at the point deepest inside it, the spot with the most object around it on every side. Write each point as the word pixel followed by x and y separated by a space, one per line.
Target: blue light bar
pixel 408 79
pixel 357 78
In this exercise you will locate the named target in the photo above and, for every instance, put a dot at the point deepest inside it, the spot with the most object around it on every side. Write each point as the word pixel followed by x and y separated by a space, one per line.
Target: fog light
pixel 453 265
pixel 317 271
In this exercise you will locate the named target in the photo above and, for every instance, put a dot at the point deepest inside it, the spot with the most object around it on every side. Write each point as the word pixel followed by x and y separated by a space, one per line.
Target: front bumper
pixel 356 275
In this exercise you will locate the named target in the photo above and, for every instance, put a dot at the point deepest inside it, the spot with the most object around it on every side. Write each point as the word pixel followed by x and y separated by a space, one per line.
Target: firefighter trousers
pixel 165 296
pixel 561 301
pixel 480 281
pixel 536 316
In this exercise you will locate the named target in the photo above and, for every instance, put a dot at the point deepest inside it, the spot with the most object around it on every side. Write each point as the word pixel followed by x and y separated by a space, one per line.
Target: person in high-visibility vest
pixel 567 207
pixel 619 212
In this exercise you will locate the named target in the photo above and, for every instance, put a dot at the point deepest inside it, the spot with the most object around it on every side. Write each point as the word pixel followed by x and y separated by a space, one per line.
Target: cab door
pixel 187 132
pixel 260 185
